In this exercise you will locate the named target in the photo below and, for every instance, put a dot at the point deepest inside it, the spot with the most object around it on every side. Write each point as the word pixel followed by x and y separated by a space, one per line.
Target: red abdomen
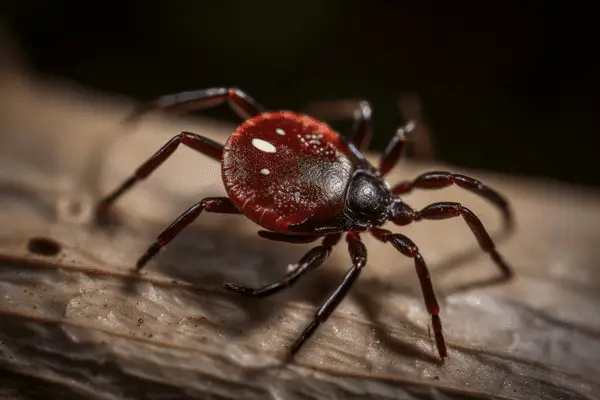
pixel 280 168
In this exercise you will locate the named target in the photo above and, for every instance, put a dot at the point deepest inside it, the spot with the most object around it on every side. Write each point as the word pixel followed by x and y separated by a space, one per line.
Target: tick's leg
pixel 442 179
pixel 358 255
pixel 362 131
pixel 199 143
pixel 404 215
pixel 358 110
pixel 420 136
pixel 394 149
pixel 407 247
pixel 221 205
pixel 244 105
pixel 311 260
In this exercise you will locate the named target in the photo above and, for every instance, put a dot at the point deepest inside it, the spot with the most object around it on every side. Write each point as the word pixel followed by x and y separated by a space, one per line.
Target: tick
pixel 300 181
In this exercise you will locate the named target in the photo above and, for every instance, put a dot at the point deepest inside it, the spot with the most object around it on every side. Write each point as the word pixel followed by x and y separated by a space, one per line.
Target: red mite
pixel 301 181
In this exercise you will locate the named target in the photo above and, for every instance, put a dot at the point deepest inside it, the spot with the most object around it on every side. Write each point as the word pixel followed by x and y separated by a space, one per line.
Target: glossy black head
pixel 368 200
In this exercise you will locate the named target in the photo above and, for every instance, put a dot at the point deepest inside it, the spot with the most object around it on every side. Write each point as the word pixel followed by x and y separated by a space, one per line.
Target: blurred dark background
pixel 506 86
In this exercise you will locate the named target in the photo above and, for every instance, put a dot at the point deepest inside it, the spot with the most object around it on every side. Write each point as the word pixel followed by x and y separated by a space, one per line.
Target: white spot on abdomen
pixel 280 131
pixel 265 171
pixel 263 145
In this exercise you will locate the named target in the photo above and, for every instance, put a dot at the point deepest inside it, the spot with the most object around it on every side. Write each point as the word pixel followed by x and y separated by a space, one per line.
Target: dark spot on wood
pixel 43 246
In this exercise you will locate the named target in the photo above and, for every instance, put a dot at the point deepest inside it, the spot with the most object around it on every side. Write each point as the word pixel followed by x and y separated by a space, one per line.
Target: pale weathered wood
pixel 80 325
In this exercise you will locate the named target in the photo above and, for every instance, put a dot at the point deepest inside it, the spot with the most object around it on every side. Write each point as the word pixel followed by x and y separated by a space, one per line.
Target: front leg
pixel 420 136
pixel 311 260
pixel 442 179
pixel 393 151
pixel 403 214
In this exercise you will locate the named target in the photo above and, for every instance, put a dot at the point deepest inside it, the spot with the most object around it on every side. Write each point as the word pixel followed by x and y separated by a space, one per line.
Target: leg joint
pixel 403 244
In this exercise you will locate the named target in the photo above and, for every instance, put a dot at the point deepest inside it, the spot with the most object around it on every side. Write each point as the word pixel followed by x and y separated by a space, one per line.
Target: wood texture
pixel 80 325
